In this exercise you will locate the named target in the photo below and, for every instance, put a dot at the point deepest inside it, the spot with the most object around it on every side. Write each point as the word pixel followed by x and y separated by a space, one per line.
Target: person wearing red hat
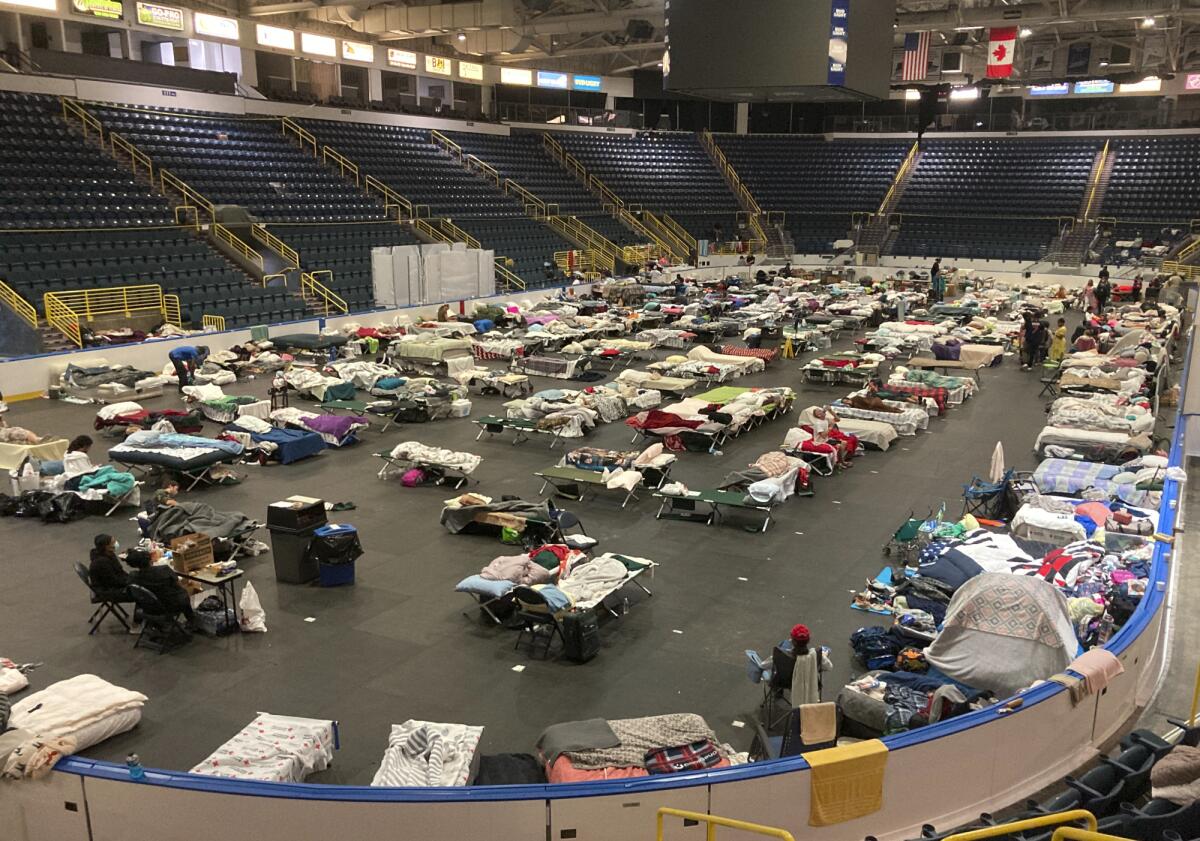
pixel 810 663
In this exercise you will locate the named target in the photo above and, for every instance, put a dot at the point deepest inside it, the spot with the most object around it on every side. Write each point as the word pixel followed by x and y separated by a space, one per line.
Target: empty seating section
pixel 36 263
pixel 242 161
pixel 415 167
pixel 85 223
pixel 409 162
pixel 50 178
pixel 669 172
pixel 993 198
pixel 1154 178
pixel 818 183
pixel 522 157
pixel 346 251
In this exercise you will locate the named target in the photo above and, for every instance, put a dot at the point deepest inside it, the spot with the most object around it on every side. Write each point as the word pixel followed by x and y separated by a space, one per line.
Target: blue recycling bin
pixel 335 548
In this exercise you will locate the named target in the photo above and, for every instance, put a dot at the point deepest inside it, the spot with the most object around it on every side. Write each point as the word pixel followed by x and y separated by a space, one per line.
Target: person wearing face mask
pixel 105 573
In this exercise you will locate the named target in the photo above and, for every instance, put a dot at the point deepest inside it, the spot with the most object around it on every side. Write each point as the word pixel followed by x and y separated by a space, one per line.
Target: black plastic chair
pixel 1101 788
pixel 537 619
pixel 1159 817
pixel 105 606
pixel 162 629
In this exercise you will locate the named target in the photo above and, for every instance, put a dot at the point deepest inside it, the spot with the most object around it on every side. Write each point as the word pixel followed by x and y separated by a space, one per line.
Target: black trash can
pixel 292 523
pixel 334 549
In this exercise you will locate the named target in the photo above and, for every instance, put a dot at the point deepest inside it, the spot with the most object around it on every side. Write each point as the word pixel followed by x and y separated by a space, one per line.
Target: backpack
pixel 412 478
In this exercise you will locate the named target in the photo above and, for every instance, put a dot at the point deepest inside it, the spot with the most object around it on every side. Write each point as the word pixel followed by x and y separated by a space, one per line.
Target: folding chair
pixel 537 619
pixel 106 607
pixel 162 630
pixel 987 499
pixel 1050 381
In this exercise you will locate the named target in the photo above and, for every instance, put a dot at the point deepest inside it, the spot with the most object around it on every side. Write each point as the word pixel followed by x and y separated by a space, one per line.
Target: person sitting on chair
pixel 160 580
pixel 108 579
pixel 810 663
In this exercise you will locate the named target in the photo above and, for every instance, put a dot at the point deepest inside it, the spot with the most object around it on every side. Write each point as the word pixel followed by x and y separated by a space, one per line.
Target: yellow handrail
pixel 344 164
pixel 238 245
pixel 1096 181
pixel 72 109
pixel 662 234
pixel 260 233
pixel 453 148
pixel 604 252
pixel 26 310
pixel 1029 823
pixel 1190 272
pixel 213 322
pixel 731 177
pixel 475 162
pixel 67 309
pixel 166 179
pixel 529 198
pixel 172 314
pixel 1074 833
pixel 510 280
pixel 276 276
pixel 431 231
pixel 1188 250
pixel 62 318
pixel 712 822
pixel 303 136
pixel 904 165
pixel 390 198
pixel 317 294
pixel 679 231
pixel 182 209
pixel 458 234
pixel 136 155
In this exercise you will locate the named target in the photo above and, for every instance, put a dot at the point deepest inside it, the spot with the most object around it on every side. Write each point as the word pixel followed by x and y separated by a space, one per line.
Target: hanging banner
pixel 1002 45
pixel 161 17
pixel 839 14
pixel 1041 59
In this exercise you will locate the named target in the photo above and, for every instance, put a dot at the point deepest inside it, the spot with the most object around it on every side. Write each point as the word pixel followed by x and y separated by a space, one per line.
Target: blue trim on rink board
pixel 1151 603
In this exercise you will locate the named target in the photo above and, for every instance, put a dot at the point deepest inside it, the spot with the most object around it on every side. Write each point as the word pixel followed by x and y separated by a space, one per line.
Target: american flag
pixel 916 56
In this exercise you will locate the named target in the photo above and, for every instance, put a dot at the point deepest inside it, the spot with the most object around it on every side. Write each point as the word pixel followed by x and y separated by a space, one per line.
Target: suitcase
pixel 581 635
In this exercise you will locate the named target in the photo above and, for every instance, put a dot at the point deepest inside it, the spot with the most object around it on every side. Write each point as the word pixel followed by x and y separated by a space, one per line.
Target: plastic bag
pixel 254 618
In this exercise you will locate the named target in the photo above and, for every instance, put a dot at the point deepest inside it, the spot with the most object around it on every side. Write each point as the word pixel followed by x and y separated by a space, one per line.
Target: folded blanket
pixel 590 734
pixel 1176 777
pixel 636 736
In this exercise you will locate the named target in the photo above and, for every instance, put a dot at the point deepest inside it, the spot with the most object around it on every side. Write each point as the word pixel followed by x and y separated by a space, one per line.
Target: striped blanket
pixel 765 354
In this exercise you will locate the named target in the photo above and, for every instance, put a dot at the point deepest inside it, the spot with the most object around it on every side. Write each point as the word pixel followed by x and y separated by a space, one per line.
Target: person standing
pixel 810 663
pixel 937 283
pixel 186 360
pixel 1103 293
pixel 1135 294
pixel 1089 297
pixel 1058 346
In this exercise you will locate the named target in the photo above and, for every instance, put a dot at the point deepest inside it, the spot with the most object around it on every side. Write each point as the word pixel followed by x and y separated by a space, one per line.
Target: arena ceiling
pixel 618 36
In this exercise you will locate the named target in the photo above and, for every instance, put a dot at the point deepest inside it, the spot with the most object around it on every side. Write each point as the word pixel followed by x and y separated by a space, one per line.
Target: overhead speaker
pixel 951 62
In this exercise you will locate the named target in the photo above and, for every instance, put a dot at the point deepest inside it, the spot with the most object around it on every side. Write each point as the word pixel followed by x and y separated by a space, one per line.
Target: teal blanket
pixel 115 482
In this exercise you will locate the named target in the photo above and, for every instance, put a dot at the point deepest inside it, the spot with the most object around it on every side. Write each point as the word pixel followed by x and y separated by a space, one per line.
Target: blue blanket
pixel 148 439
pixel 294 444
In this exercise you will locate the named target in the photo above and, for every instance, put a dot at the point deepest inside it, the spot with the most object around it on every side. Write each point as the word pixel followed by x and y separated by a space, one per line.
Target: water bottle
pixel 136 771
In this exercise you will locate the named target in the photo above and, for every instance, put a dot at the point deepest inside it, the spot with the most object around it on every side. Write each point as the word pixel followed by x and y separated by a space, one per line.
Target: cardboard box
pixel 191 552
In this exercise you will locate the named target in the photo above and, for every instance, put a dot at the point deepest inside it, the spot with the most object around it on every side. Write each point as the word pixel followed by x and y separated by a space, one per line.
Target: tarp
pixel 1003 632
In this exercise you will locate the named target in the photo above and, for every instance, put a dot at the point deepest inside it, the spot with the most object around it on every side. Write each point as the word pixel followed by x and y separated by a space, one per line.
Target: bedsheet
pixel 437 456
pixel 638 735
pixel 428 753
pixel 427 348
pixel 1093 444
pixel 1070 478
pixel 1099 414
pixel 279 748
pixel 172 458
pixel 13 456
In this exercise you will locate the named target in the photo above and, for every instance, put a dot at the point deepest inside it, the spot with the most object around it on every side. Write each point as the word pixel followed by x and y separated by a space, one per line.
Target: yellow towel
pixel 818 723
pixel 847 782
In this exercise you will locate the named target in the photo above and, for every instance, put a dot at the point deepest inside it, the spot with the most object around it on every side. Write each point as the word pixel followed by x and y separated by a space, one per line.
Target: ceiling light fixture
pixel 1148 22
pixel 462 36
pixel 1025 32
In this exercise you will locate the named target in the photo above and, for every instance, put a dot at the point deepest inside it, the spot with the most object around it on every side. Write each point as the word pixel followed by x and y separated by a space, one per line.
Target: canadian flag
pixel 1002 43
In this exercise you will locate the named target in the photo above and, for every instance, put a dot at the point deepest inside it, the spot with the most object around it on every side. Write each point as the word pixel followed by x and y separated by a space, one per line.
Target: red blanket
pixel 654 419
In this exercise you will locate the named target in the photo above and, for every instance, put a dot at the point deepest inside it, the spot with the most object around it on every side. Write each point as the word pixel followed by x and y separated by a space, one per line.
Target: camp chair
pixel 1051 374
pixel 987 499
pixel 162 629
pixel 778 688
pixel 537 619
pixel 106 607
